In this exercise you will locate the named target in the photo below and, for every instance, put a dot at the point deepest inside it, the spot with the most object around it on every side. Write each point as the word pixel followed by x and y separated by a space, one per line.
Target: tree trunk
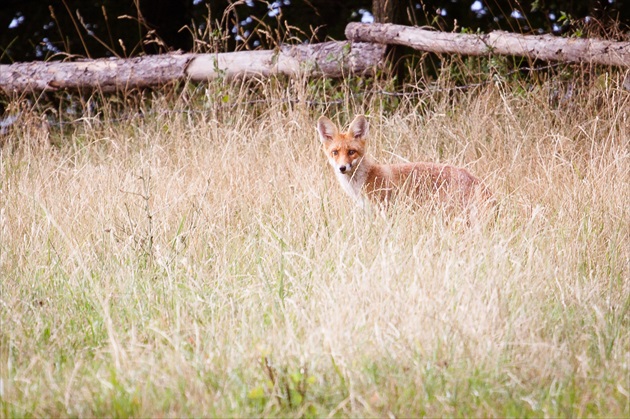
pixel 329 59
pixel 386 11
pixel 540 47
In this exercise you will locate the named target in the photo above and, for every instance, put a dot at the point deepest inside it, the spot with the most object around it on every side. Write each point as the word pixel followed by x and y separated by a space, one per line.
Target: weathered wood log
pixel 330 59
pixel 542 47
pixel 104 74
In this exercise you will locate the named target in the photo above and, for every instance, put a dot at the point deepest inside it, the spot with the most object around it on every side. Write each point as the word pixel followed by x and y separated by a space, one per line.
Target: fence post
pixel 390 11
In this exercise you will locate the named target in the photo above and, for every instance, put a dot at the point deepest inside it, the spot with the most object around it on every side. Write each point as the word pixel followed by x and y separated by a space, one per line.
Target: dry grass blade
pixel 207 264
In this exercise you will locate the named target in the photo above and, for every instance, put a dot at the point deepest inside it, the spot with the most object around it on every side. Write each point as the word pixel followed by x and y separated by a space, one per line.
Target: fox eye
pixel 335 152
pixel 351 152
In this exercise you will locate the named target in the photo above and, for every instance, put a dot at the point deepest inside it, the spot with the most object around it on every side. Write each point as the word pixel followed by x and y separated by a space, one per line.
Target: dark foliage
pixel 35 29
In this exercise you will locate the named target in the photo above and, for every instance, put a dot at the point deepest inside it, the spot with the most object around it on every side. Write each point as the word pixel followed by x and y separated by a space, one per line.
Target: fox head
pixel 344 150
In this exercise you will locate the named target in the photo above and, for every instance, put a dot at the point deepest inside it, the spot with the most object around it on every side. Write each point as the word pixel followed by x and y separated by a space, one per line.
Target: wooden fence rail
pixel 330 59
pixel 541 47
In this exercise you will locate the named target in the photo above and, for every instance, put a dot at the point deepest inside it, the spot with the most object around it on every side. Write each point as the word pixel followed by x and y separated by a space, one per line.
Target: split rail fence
pixel 363 53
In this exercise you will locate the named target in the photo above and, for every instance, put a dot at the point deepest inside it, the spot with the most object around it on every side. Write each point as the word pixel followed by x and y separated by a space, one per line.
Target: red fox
pixel 360 176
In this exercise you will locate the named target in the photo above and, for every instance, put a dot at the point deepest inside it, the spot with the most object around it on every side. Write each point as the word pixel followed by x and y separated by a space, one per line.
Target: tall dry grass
pixel 200 260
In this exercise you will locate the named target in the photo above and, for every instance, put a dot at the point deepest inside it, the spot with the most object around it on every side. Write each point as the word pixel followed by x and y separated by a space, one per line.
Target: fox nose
pixel 342 169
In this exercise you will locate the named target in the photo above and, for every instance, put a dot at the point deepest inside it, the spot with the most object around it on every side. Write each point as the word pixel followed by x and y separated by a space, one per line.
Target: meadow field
pixel 191 254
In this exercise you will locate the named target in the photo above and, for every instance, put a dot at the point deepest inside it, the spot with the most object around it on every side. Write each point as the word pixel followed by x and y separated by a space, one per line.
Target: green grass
pixel 207 264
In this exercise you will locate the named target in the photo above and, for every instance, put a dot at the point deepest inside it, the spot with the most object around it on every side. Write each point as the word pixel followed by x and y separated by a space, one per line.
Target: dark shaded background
pixel 40 29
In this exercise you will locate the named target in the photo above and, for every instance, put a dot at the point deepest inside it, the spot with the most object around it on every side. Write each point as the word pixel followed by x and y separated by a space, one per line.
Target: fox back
pixel 423 182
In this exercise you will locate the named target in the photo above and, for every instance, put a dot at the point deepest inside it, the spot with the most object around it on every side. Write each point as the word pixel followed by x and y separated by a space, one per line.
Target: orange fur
pixel 360 176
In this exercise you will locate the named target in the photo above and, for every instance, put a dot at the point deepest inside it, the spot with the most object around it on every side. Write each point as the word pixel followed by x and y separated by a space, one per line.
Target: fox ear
pixel 326 128
pixel 359 127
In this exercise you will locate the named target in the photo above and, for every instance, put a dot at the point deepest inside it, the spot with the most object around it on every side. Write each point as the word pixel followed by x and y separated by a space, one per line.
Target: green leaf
pixel 296 397
pixel 256 393
pixel 296 377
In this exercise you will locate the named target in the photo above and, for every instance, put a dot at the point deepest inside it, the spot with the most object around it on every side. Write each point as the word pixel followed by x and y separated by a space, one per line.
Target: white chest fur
pixel 353 185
